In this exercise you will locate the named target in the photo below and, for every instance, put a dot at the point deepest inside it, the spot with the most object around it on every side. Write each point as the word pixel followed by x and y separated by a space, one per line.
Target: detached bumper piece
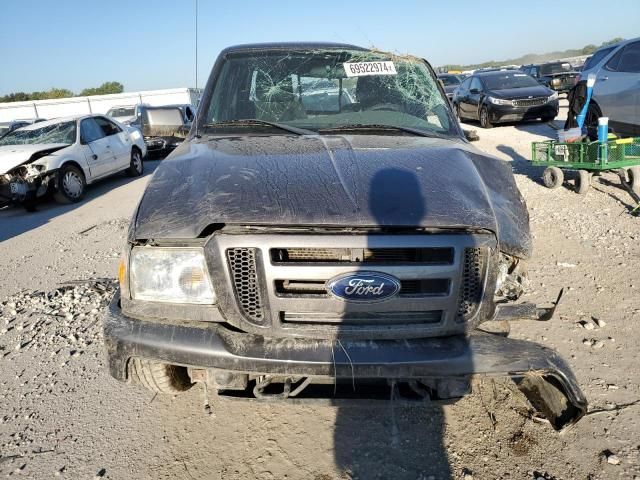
pixel 540 373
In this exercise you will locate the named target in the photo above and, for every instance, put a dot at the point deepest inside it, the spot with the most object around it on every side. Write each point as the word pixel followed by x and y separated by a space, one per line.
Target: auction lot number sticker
pixel 361 69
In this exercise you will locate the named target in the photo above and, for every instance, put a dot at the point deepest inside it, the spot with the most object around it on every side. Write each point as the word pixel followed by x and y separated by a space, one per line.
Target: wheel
pixel 136 167
pixel 71 185
pixel 591 121
pixel 159 377
pixel 552 177
pixel 583 182
pixel 484 118
pixel 634 179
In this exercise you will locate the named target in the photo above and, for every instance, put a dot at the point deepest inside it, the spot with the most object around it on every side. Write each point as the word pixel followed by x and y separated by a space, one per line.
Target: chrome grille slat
pixel 530 102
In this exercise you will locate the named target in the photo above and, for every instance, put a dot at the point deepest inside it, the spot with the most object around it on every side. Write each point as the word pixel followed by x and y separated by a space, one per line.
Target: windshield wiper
pixel 255 121
pixel 377 126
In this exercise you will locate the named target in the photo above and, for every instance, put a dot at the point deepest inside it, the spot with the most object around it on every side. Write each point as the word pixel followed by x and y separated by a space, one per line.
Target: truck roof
pixel 290 46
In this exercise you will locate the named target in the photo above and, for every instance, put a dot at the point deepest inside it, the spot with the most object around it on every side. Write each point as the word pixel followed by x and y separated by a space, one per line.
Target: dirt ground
pixel 61 415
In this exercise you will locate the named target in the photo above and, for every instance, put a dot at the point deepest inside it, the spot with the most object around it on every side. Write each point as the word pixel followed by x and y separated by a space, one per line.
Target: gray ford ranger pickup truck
pixel 353 246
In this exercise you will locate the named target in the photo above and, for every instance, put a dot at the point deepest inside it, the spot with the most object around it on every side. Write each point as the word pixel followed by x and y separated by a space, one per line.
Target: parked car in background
pixel 64 155
pixel 125 114
pixel 164 128
pixel 450 82
pixel 6 127
pixel 600 57
pixel 559 76
pixel 616 93
pixel 504 96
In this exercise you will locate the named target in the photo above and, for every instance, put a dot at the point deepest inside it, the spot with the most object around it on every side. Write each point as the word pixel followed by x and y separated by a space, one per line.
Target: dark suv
pixel 559 76
pixel 290 249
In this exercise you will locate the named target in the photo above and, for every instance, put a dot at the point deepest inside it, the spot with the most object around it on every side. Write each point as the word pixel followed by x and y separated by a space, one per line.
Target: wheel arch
pixel 85 170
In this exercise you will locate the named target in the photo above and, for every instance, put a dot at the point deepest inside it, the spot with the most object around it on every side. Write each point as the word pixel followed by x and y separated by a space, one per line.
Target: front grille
pixel 242 262
pixel 408 288
pixel 472 282
pixel 277 282
pixel 530 102
pixel 363 255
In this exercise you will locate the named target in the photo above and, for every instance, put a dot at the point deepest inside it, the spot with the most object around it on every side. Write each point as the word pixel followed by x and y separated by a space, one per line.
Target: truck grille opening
pixel 362 319
pixel 472 282
pixel 242 262
pixel 409 288
pixel 433 256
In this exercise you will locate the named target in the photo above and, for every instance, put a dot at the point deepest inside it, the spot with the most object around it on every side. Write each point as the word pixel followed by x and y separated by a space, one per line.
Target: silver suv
pixel 616 93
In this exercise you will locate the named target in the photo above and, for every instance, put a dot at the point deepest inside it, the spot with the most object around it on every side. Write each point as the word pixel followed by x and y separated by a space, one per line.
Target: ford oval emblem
pixel 363 287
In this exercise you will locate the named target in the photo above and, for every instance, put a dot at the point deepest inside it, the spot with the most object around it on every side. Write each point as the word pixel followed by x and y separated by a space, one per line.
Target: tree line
pixel 535 57
pixel 104 89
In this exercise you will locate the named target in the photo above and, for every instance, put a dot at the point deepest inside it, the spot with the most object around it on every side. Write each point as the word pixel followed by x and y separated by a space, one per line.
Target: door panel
pixel 119 143
pixel 97 149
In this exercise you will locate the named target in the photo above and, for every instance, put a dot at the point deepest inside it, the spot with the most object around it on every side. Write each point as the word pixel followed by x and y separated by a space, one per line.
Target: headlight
pixel 500 101
pixel 555 81
pixel 174 275
pixel 554 96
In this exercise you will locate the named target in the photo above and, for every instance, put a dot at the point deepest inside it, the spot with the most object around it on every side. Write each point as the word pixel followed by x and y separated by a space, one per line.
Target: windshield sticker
pixel 361 69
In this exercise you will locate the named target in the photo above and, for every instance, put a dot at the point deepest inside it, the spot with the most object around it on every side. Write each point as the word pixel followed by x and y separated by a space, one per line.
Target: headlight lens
pixel 500 101
pixel 554 96
pixel 173 275
pixel 555 81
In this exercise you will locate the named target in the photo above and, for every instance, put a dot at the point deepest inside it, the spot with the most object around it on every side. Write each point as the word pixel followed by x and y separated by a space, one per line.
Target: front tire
pixel 634 179
pixel 136 166
pixel 583 182
pixel 159 377
pixel 484 118
pixel 71 185
pixel 552 177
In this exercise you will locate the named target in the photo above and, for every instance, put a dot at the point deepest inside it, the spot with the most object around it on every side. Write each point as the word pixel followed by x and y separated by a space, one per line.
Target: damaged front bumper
pixel 540 373
pixel 17 188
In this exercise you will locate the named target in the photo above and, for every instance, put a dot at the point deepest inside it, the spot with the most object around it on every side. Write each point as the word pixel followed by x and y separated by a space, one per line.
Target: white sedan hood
pixel 13 155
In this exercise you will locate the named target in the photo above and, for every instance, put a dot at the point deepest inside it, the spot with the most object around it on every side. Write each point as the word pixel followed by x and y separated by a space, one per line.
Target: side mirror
pixel 471 135
pixel 474 91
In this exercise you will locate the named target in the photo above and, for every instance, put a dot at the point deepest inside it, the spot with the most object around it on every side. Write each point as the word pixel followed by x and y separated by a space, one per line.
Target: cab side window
pixel 107 126
pixel 90 131
pixel 465 84
pixel 475 83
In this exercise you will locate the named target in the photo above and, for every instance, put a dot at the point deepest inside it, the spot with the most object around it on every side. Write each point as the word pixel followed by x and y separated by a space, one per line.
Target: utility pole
pixel 196 45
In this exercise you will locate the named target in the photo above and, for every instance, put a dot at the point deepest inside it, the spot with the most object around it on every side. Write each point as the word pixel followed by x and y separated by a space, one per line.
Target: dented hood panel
pixel 13 155
pixel 341 181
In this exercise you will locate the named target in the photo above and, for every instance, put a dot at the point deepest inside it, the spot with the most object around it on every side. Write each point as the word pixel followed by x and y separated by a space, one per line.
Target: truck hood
pixel 13 155
pixel 332 181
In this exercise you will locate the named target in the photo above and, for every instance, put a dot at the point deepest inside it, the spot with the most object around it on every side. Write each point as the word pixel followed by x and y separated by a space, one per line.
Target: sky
pixel 150 44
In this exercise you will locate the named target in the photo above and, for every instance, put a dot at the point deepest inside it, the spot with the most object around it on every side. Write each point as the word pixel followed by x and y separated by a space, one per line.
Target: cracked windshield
pixel 317 90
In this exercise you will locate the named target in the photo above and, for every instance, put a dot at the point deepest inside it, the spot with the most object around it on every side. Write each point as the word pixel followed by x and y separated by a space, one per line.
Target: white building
pixel 63 107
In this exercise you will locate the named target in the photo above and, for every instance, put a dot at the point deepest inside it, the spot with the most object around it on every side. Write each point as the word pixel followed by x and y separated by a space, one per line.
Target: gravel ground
pixel 61 415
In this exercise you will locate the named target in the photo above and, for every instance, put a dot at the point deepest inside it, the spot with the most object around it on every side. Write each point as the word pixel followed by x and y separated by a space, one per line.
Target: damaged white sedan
pixel 64 155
